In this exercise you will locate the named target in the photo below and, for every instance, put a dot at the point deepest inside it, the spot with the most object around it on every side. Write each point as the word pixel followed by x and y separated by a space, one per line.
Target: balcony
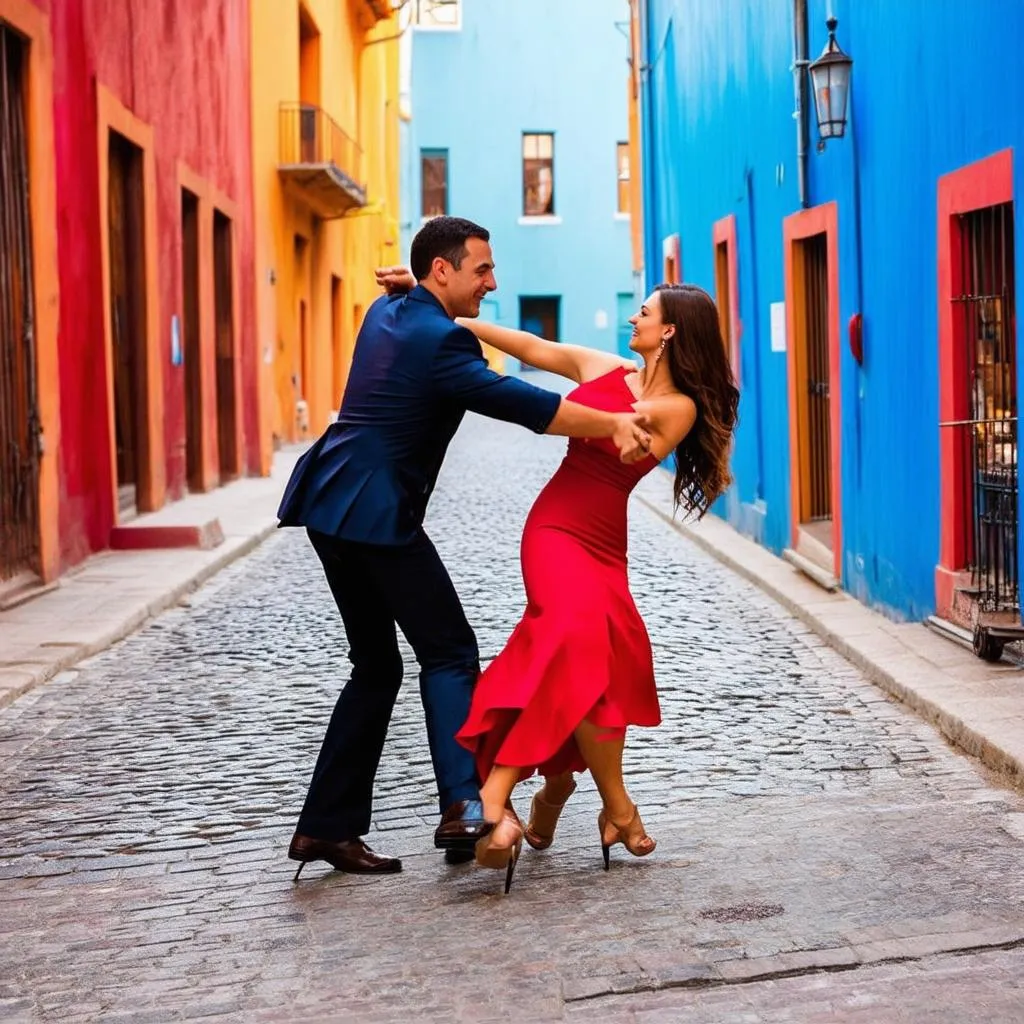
pixel 319 162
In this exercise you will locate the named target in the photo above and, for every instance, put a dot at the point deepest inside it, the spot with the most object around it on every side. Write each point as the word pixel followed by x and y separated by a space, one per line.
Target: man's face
pixel 466 287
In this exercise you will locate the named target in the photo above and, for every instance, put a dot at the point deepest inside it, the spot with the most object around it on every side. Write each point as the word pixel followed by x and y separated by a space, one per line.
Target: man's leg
pixel 431 616
pixel 339 801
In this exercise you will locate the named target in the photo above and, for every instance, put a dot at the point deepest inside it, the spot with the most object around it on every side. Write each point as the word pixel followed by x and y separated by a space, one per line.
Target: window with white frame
pixel 438 14
pixel 538 174
pixel 434 182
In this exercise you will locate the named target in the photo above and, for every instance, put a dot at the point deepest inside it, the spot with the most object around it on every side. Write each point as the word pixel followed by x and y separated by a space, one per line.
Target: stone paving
pixel 823 855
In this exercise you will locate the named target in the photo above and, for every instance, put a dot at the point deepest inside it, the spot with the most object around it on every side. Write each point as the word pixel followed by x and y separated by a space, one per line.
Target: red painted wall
pixel 182 66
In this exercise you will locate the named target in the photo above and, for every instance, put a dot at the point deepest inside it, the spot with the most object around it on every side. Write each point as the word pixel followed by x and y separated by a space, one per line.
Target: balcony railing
pixel 320 161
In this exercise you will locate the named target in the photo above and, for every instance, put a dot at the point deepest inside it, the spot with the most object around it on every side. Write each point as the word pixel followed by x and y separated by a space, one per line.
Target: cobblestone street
pixel 823 855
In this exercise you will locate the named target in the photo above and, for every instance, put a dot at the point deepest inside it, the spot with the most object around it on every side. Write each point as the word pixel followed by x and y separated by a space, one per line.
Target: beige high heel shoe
pixel 501 849
pixel 632 835
pixel 540 829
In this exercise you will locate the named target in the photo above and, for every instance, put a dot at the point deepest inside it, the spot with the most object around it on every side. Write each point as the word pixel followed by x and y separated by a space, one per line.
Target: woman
pixel 578 670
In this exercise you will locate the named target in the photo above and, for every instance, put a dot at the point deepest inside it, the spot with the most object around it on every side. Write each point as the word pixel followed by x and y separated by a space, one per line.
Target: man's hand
pixel 395 280
pixel 631 437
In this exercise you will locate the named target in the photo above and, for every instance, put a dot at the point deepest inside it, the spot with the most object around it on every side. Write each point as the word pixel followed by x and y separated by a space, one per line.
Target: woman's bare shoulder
pixel 673 401
pixel 672 414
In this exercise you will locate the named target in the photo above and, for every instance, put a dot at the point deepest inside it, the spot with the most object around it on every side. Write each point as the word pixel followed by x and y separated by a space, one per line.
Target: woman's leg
pixel 603 754
pixel 501 848
pixel 496 792
pixel 557 788
pixel 619 821
pixel 546 808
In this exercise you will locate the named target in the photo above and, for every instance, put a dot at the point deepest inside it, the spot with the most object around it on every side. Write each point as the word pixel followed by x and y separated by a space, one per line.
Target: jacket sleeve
pixel 462 376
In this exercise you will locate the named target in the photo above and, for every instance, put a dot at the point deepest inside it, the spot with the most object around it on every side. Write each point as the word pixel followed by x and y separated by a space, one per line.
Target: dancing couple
pixel 577 669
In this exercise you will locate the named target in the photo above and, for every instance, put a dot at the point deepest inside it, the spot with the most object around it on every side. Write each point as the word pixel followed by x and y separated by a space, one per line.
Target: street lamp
pixel 830 79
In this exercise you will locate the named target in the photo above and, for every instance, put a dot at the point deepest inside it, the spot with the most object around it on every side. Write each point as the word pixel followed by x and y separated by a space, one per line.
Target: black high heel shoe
pixel 494 851
pixel 632 835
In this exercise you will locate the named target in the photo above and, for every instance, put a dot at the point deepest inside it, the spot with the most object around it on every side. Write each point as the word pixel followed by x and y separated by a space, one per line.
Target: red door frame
pixel 817 220
pixel 986 182
pixel 724 232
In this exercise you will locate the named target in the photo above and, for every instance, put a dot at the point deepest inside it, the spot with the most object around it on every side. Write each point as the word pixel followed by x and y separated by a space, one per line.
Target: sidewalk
pixel 113 593
pixel 977 706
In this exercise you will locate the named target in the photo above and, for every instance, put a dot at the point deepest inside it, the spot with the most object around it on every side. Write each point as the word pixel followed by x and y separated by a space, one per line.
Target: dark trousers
pixel 377 588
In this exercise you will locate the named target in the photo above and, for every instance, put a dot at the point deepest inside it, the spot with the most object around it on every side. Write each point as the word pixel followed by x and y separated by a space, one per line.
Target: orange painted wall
pixel 358 86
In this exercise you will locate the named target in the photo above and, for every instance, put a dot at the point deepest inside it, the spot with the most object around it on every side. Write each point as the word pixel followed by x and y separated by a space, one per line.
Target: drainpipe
pixel 800 63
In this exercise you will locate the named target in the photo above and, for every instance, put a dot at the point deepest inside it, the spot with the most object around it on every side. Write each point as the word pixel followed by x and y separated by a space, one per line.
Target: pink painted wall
pixel 183 67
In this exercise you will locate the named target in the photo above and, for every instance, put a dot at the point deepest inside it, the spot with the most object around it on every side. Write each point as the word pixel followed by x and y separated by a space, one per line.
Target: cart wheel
pixel 986 646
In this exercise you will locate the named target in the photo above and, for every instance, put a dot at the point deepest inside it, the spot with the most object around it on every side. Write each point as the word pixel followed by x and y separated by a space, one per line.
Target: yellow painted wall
pixel 358 85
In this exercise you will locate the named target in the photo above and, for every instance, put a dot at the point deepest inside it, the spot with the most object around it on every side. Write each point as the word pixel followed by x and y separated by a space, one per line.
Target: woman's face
pixel 648 329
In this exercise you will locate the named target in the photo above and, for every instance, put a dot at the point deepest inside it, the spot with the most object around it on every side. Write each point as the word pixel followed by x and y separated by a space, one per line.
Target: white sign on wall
pixel 600 319
pixel 778 319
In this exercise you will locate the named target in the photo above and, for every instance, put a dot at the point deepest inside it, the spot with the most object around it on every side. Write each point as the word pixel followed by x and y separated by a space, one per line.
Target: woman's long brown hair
pixel 699 364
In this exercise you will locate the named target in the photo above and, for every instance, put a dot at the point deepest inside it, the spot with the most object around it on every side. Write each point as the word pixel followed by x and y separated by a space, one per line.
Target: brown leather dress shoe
pixel 462 825
pixel 351 855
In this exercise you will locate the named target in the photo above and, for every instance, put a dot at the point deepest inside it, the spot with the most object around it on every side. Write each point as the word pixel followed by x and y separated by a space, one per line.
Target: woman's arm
pixel 670 418
pixel 573 361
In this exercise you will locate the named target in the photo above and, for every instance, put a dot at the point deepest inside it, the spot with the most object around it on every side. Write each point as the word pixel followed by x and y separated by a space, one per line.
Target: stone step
pixel 142 535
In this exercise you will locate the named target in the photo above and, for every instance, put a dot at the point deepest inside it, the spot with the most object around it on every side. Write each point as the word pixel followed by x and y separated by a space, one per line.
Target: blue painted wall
pixel 932 91
pixel 531 66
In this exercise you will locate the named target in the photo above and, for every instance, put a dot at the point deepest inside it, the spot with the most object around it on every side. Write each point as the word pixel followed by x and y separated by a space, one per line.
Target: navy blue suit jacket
pixel 414 374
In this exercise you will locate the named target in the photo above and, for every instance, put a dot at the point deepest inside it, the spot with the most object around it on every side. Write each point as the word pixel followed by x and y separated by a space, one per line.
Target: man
pixel 361 492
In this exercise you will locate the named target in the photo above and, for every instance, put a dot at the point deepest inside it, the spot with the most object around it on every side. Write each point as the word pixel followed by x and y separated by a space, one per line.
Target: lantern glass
pixel 831 83
pixel 830 80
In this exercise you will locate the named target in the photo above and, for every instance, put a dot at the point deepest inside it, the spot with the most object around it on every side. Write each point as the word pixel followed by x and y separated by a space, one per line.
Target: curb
pixel 967 738
pixel 137 619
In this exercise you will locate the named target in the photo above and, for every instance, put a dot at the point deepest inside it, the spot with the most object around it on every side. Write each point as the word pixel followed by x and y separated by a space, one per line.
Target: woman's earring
pixel 661 351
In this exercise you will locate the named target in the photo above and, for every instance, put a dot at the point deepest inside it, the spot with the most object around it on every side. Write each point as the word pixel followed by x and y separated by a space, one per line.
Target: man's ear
pixel 439 269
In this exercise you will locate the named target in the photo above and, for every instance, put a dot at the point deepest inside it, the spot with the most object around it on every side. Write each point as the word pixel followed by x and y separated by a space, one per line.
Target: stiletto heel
pixel 491 853
pixel 510 870
pixel 540 829
pixel 632 835
pixel 299 872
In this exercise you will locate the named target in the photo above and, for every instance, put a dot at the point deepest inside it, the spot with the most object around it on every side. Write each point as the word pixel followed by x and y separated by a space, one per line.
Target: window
pixel 723 235
pixel 622 176
pixel 538 314
pixel 723 293
pixel 434 182
pixel 225 348
pixel 984 306
pixel 538 175
pixel 443 14
pixel 671 256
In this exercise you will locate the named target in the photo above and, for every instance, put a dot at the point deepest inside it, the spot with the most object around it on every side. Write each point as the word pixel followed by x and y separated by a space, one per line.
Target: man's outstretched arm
pixel 461 374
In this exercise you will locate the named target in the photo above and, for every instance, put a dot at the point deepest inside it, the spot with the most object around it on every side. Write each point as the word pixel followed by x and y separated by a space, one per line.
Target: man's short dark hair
pixel 445 237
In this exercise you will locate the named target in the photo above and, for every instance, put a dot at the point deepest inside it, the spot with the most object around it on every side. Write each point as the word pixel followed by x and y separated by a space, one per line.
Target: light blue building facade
pixel 870 285
pixel 518 121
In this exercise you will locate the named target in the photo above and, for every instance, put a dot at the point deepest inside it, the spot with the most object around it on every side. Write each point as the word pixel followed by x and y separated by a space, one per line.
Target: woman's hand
pixel 395 280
